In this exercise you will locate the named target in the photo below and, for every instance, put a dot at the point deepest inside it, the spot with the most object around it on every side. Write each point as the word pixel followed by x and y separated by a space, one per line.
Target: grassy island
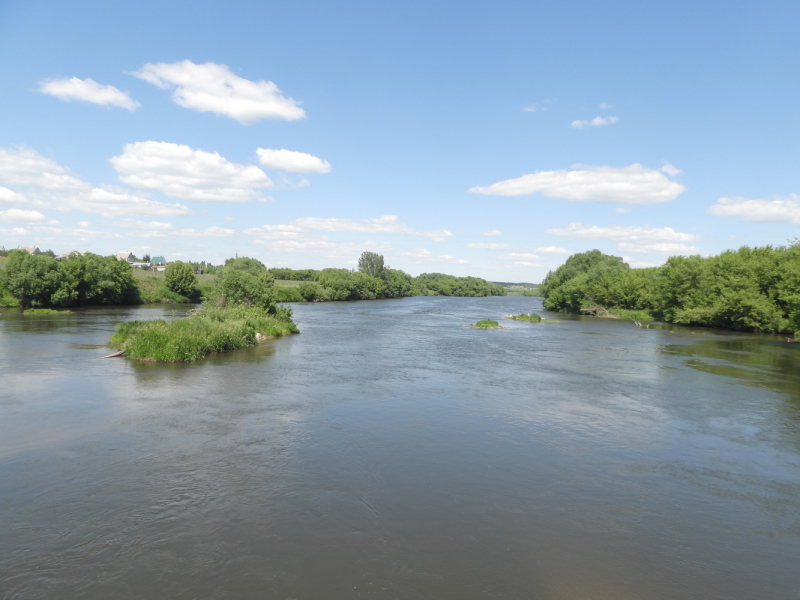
pixel 532 318
pixel 242 312
pixel 485 324
pixel 44 311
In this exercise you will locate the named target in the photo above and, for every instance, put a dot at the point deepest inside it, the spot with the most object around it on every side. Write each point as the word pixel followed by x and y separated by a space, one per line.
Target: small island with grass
pixel 485 324
pixel 44 311
pixel 241 312
pixel 531 318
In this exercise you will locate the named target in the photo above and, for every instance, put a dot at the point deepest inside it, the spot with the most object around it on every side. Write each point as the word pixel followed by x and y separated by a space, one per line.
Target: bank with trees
pixel 749 289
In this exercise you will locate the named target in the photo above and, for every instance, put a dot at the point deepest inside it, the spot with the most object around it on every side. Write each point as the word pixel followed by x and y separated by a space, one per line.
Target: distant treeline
pixel 341 284
pixel 749 289
pixel 38 280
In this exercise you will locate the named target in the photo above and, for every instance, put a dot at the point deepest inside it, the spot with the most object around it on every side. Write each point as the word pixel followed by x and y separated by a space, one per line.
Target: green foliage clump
pixel 43 311
pixel 100 279
pixel 485 324
pixel 533 318
pixel 371 263
pixel 240 312
pixel 439 284
pixel 180 278
pixel 749 289
pixel 37 280
pixel 249 265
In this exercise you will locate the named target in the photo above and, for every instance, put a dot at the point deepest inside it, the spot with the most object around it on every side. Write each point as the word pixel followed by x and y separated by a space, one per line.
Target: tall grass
pixel 211 329
pixel 533 318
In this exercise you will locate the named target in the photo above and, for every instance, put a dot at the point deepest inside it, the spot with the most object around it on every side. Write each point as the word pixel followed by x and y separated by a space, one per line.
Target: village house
pixel 126 256
pixel 158 263
pixel 29 249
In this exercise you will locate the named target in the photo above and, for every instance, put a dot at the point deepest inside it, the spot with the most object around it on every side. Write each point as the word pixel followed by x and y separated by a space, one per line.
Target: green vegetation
pixel 485 324
pixel 240 313
pixel 532 318
pixel 44 311
pixel 180 279
pixel 438 284
pixel 749 289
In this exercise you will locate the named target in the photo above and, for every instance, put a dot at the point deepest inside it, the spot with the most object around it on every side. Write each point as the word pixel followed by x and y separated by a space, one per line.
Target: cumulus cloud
pixel 671 170
pixel 634 184
pixel 604 106
pixel 322 246
pixel 178 171
pixel 551 250
pixel 210 87
pixel 277 232
pixel 488 246
pixel 764 210
pixel 492 232
pixel 17 215
pixel 623 233
pixel 634 239
pixel 11 197
pixel 87 90
pixel 26 167
pixel 384 224
pixel 291 161
pixel 420 255
pixel 670 248
pixel 596 122
pixel 519 256
pixel 52 186
pixel 622 211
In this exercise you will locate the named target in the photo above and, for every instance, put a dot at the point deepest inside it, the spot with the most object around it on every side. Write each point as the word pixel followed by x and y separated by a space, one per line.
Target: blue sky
pixel 491 139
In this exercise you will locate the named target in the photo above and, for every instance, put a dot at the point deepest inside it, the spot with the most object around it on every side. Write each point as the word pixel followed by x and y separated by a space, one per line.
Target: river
pixel 388 452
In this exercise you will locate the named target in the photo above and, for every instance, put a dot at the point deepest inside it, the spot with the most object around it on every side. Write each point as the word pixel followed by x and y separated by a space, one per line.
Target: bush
pixel 180 278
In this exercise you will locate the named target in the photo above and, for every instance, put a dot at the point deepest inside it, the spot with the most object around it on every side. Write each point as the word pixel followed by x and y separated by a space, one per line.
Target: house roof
pixel 29 249
pixel 157 259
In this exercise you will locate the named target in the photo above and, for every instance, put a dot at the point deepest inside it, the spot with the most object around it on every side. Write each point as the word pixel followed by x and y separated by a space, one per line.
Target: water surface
pixel 388 452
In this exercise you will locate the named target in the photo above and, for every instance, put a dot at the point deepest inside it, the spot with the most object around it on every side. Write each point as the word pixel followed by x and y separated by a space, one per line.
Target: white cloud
pixel 135 224
pixel 604 106
pixel 634 239
pixel 534 108
pixel 670 248
pixel 634 184
pixel 623 233
pixel 49 185
pixel 83 234
pixel 16 231
pixel 320 245
pixel 492 232
pixel 596 122
pixel 210 87
pixel 17 215
pixel 84 224
pixel 763 210
pixel 622 211
pixel 27 167
pixel 671 170
pixel 180 172
pixel 421 255
pixel 488 246
pixel 551 250
pixel 11 197
pixel 641 264
pixel 384 224
pixel 294 162
pixel 87 90
pixel 519 256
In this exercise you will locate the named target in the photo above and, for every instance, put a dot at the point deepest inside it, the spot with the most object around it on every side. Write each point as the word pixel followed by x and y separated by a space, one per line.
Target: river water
pixel 388 452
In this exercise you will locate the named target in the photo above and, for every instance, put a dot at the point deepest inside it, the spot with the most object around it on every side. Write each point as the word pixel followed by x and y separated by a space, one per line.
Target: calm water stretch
pixel 388 452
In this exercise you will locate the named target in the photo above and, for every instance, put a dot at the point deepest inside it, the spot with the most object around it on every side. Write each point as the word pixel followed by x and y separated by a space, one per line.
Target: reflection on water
pixel 388 452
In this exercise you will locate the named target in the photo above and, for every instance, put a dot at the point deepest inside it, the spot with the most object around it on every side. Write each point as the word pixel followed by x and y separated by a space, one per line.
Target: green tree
pixel 240 287
pixel 180 278
pixel 101 280
pixel 37 280
pixel 371 263
pixel 243 263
